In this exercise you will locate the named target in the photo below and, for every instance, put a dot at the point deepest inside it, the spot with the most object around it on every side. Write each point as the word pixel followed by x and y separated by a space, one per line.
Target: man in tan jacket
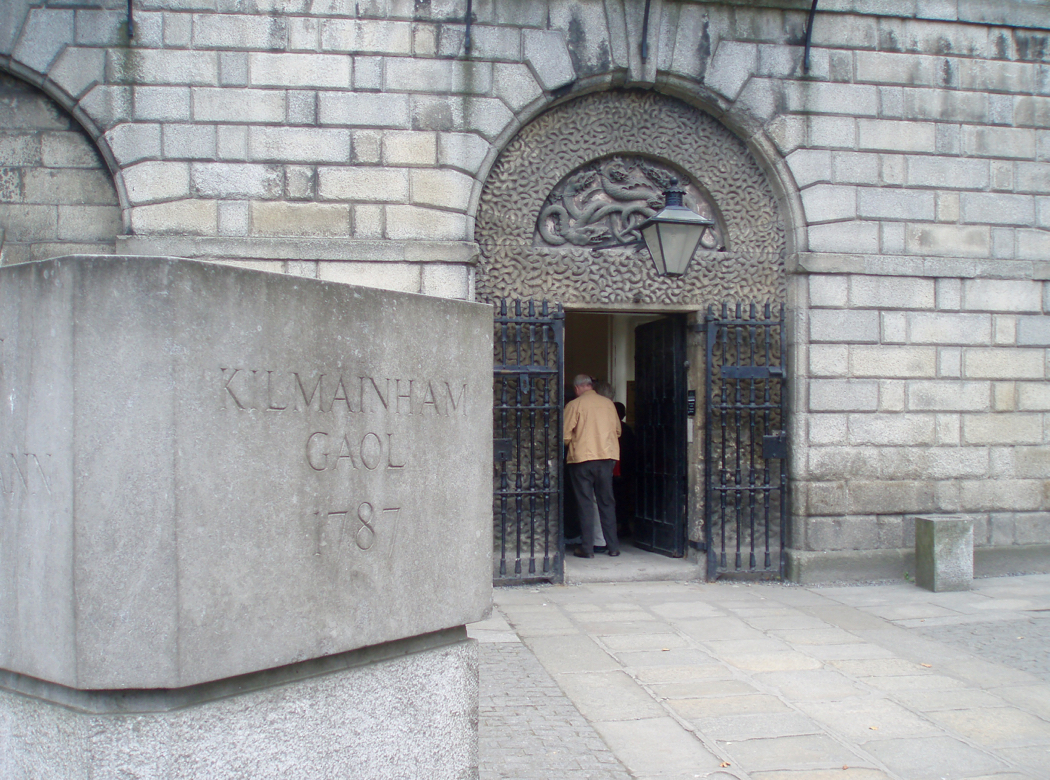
pixel 592 428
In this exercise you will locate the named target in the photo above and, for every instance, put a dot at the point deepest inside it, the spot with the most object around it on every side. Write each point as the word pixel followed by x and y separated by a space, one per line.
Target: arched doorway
pixel 557 221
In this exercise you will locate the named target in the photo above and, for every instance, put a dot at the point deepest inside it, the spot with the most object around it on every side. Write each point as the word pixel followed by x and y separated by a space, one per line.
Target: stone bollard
pixel 943 553
pixel 244 520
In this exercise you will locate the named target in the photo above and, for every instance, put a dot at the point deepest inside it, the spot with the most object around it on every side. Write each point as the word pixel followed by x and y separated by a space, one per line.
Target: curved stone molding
pixel 628 123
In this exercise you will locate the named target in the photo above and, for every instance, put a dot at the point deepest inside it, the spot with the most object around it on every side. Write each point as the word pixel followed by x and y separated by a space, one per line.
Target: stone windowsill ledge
pixel 906 265
pixel 1010 13
pixel 306 249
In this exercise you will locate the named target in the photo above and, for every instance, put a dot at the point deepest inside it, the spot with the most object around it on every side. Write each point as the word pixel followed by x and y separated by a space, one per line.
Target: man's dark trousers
pixel 592 483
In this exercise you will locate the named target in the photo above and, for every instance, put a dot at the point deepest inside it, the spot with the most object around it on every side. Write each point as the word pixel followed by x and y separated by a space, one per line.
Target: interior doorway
pixel 642 357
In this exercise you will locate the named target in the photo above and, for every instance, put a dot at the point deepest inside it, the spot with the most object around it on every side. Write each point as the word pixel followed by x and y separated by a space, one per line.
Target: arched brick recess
pixel 56 194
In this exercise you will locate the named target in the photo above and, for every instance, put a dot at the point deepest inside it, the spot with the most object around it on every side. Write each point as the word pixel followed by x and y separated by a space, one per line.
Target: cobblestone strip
pixel 1020 644
pixel 528 729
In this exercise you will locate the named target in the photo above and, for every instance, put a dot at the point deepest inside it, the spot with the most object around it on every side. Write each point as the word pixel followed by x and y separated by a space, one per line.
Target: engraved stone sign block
pixel 208 471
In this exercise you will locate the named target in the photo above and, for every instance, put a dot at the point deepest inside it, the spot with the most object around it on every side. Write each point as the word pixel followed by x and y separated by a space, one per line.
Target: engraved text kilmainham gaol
pixel 331 449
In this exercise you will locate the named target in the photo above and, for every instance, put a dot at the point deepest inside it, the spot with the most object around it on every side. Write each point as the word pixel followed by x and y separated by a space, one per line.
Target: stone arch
pixel 632 122
pixel 57 196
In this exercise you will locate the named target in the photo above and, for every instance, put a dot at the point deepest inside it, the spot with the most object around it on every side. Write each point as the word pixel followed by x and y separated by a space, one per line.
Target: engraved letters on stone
pixel 347 421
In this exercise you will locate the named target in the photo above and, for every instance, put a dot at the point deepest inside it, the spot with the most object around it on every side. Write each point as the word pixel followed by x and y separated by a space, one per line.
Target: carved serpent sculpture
pixel 584 218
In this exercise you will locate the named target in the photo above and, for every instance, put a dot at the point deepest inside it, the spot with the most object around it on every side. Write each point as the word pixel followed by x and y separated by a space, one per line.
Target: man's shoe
pixel 601 548
pixel 581 553
pixel 613 553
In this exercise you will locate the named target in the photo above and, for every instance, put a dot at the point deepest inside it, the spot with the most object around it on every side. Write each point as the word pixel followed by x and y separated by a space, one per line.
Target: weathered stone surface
pixel 1004 363
pixel 849 395
pixel 188 216
pixel 149 182
pixel 896 136
pixel 306 144
pixel 409 148
pixel 366 37
pixel 77 69
pixel 299 70
pixel 829 202
pixel 378 185
pixel 942 396
pixel 548 54
pixel 855 326
pixel 188 142
pixel 232 470
pixel 1033 331
pixel 170 104
pixel 891 429
pixel 948 240
pixel 893 361
pixel 1004 295
pixel 1017 428
pixel 515 85
pixel 45 34
pixel 943 553
pixel 301 723
pixel 212 104
pixel 942 328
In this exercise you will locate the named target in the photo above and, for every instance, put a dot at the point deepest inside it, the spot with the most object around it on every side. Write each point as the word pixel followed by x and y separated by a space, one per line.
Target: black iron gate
pixel 660 428
pixel 745 446
pixel 528 386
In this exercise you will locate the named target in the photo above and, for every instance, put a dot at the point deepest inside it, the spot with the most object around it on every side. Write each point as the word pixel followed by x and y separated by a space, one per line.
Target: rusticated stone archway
pixel 528 249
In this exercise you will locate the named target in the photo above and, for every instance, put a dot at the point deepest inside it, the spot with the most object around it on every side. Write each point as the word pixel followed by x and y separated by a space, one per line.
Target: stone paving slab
pixel 779 682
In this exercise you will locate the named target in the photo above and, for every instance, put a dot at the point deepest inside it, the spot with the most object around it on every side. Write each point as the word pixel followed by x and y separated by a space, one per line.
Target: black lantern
pixel 674 234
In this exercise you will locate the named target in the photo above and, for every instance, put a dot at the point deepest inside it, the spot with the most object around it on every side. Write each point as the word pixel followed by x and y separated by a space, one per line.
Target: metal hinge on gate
pixel 774 446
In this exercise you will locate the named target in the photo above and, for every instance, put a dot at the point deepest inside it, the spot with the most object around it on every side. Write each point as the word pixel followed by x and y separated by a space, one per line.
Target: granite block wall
pixel 924 395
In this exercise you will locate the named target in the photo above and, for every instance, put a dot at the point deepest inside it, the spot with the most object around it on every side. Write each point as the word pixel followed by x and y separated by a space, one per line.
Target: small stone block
pixel 943 553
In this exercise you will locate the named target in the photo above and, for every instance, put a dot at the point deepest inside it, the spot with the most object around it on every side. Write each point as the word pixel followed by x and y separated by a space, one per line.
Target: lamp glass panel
pixel 651 234
pixel 678 243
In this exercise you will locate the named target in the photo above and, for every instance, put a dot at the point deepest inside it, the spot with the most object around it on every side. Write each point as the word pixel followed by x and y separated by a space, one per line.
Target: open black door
pixel 660 428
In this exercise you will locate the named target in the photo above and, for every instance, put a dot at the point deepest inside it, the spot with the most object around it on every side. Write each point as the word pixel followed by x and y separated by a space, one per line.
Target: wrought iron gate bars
pixel 749 430
pixel 529 356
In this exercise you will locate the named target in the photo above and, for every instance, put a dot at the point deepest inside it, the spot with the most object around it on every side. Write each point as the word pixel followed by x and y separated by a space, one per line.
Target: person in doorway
pixel 592 428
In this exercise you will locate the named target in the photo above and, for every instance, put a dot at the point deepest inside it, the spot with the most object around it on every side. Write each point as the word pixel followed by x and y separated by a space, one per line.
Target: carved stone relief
pixel 604 204
pixel 624 136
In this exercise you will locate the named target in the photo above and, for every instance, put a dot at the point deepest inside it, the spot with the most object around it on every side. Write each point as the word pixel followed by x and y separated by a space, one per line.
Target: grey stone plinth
pixel 411 715
pixel 944 553
pixel 208 471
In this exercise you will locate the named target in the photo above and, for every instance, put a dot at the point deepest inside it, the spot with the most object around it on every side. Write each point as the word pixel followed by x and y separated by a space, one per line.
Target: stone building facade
pixel 893 190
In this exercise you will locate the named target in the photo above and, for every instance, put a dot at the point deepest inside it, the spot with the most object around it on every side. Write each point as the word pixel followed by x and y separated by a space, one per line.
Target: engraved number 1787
pixel 360 525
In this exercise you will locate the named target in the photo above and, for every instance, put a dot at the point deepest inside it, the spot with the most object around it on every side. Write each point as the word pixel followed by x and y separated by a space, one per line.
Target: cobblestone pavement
pixel 1021 644
pixel 528 729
